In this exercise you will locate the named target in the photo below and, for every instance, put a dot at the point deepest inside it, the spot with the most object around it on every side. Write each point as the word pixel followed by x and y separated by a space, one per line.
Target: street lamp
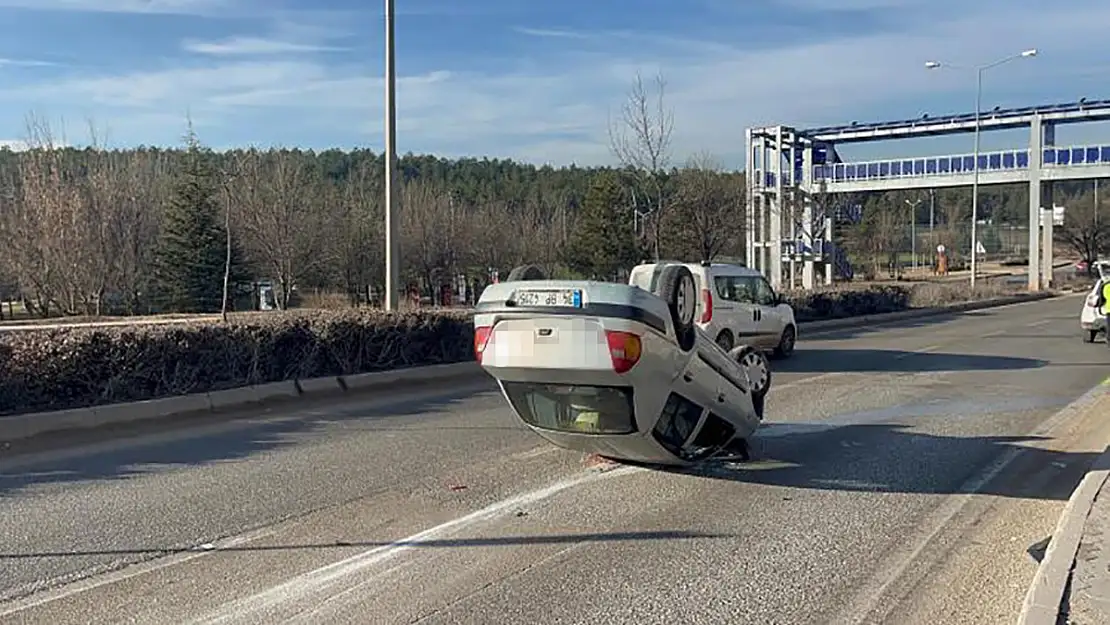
pixel 392 254
pixel 975 170
pixel 913 204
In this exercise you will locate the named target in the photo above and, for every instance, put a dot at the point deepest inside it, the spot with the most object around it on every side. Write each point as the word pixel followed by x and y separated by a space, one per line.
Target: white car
pixel 1091 318
pixel 736 305
pixel 618 371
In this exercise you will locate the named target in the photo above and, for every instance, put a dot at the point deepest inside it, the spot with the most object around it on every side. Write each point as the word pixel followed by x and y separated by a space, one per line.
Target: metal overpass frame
pixel 790 170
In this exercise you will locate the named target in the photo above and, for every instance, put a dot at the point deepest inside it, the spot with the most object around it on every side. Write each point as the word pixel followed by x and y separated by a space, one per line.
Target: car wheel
pixel 755 364
pixel 786 343
pixel 1091 336
pixel 526 272
pixel 724 340
pixel 676 287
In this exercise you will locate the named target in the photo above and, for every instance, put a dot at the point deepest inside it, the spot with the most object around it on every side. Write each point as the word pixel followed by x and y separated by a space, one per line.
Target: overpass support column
pixel 750 181
pixel 806 187
pixel 1036 153
pixel 775 235
pixel 1048 140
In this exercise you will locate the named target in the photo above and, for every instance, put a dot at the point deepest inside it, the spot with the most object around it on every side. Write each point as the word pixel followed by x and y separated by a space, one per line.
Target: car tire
pixel 787 342
pixel 677 288
pixel 526 272
pixel 755 363
pixel 1090 336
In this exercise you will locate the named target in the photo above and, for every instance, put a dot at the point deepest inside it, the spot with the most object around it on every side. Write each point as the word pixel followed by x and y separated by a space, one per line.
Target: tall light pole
pixel 392 253
pixel 913 204
pixel 975 170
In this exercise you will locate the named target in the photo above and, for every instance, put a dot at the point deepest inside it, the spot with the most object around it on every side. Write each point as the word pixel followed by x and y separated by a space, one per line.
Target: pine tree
pixel 605 241
pixel 191 253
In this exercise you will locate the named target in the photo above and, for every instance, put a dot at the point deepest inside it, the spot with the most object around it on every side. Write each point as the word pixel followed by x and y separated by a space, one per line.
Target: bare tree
pixel 283 229
pixel 1086 228
pixel 435 234
pixel 705 215
pixel 641 140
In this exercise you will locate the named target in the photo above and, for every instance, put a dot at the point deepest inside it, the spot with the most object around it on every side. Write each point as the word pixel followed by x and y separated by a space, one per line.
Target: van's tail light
pixel 624 349
pixel 707 306
pixel 481 337
pixel 1092 300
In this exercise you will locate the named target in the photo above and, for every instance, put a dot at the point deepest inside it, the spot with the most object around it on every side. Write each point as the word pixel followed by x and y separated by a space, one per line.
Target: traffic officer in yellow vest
pixel 1105 309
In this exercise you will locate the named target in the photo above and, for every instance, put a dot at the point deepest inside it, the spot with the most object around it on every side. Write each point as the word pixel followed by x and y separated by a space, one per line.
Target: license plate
pixel 563 298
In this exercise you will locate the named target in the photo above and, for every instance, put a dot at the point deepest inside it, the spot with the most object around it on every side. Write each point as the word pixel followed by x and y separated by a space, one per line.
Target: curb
pixel 22 426
pixel 1043 600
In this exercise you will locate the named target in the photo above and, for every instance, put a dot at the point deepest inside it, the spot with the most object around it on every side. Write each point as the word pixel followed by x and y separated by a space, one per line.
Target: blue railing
pixel 1007 160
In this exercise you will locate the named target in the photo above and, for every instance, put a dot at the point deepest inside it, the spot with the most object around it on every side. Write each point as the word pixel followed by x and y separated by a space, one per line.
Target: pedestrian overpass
pixel 792 172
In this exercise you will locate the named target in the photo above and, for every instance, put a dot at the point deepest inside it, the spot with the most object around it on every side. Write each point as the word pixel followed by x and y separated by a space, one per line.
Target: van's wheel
pixel 676 287
pixel 787 342
pixel 724 340
pixel 1091 336
pixel 755 364
pixel 526 272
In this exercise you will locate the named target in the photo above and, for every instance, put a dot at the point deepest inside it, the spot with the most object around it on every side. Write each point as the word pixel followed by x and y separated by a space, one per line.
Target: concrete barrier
pixel 27 425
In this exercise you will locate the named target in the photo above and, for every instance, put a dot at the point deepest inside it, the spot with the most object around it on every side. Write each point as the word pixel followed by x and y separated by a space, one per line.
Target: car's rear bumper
pixel 1098 323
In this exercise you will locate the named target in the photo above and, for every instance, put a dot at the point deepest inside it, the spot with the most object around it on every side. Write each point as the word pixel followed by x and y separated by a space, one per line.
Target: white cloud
pixel 25 63
pixel 551 33
pixel 182 7
pixel 243 46
pixel 555 108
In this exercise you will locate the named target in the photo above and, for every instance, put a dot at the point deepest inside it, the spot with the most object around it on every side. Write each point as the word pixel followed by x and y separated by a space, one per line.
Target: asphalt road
pixel 898 481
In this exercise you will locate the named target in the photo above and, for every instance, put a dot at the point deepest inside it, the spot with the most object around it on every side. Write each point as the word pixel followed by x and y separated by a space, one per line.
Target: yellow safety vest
pixel 1106 299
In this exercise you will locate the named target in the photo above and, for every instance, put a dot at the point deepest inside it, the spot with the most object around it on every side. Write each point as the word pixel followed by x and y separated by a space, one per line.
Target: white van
pixel 736 305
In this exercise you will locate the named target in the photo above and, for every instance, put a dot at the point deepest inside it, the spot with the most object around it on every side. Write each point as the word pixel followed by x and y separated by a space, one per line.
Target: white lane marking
pixel 144 568
pixel 814 378
pixel 304 585
pixel 870 597
pixel 1042 322
pixel 923 350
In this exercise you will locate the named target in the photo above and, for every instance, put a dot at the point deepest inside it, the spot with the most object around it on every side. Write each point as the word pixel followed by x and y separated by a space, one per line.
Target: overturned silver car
pixel 618 371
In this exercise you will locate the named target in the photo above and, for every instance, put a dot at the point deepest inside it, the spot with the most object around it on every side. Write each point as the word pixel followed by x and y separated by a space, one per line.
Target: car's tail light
pixel 481 337
pixel 1092 300
pixel 707 306
pixel 624 349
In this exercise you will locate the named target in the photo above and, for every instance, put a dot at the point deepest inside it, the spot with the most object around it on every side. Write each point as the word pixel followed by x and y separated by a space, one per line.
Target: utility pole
pixel 913 231
pixel 392 247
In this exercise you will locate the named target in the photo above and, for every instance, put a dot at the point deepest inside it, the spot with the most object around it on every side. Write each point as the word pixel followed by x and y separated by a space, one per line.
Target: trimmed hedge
pixel 56 369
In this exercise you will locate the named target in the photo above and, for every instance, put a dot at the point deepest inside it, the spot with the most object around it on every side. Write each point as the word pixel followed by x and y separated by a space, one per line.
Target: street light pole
pixel 913 204
pixel 975 177
pixel 392 252
pixel 975 169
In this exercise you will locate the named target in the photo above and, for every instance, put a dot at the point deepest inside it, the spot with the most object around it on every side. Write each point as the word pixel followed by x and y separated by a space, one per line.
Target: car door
pixel 734 300
pixel 769 322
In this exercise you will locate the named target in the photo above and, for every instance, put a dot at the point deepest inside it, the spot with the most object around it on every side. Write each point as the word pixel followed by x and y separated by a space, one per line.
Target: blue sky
pixel 526 79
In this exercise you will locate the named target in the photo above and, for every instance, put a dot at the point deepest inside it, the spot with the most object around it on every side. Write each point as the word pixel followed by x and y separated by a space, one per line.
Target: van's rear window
pixel 572 408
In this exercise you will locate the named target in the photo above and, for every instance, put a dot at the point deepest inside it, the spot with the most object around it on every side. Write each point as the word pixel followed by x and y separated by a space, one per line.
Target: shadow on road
pixel 897 361
pixel 886 458
pixel 496 541
pixel 233 437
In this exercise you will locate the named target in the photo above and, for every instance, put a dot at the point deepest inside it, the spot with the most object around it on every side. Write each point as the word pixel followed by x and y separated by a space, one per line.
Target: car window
pixel 581 409
pixel 764 294
pixel 735 289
